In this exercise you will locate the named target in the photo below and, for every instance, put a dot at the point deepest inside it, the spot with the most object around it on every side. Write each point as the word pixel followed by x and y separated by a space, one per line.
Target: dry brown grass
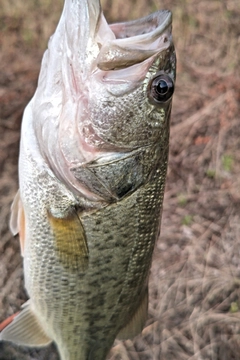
pixel 195 280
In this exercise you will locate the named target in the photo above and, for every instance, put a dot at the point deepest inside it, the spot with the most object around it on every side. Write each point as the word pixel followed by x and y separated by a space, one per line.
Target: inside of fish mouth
pixel 141 26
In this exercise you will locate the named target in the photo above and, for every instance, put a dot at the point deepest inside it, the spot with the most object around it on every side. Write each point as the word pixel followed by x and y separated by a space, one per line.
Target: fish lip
pixel 162 20
pixel 136 41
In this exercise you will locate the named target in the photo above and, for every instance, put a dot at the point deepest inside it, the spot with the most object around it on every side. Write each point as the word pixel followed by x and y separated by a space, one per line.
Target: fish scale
pixel 92 170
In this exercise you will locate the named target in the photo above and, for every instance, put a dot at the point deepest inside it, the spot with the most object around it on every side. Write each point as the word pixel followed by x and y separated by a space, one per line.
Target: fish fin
pixel 70 241
pixel 14 215
pixel 7 321
pixel 24 329
pixel 17 220
pixel 137 321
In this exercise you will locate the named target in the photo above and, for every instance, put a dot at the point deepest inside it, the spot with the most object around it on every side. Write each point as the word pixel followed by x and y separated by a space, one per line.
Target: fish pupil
pixel 162 87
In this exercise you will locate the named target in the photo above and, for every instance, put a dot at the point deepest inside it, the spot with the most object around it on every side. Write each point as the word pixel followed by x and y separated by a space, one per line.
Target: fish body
pixel 92 169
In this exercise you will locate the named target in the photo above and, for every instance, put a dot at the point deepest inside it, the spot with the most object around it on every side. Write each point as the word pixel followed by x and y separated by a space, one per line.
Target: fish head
pixel 103 88
pixel 131 90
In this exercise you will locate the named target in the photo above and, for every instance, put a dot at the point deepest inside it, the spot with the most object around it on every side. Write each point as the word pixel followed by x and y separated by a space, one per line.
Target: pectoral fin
pixel 136 323
pixel 70 241
pixel 8 321
pixel 17 220
pixel 25 329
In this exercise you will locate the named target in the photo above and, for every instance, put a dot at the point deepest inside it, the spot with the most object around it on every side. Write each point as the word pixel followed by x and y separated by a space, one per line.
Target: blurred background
pixel 194 310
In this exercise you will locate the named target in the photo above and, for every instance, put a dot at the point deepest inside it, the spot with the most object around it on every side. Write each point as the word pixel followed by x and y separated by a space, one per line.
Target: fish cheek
pixel 70 242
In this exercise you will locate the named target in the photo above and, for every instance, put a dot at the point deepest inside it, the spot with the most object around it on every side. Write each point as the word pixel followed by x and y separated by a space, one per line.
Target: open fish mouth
pixel 136 41
pixel 110 47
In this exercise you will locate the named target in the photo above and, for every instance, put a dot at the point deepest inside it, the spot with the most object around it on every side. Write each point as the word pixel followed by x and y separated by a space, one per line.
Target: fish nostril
pixel 165 39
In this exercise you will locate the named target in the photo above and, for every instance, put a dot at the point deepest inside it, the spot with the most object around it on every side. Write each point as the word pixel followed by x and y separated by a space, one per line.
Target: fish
pixel 92 169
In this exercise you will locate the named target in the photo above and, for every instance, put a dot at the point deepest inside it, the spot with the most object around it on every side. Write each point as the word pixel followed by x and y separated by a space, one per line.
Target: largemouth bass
pixel 92 169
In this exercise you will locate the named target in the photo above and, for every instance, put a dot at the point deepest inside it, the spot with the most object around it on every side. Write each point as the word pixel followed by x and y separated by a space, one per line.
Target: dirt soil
pixel 194 310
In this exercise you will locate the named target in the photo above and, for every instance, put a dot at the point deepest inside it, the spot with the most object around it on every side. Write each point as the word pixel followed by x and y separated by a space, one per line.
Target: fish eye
pixel 161 88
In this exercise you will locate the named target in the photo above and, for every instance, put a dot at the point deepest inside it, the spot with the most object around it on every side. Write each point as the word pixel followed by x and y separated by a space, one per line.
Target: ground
pixel 194 310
